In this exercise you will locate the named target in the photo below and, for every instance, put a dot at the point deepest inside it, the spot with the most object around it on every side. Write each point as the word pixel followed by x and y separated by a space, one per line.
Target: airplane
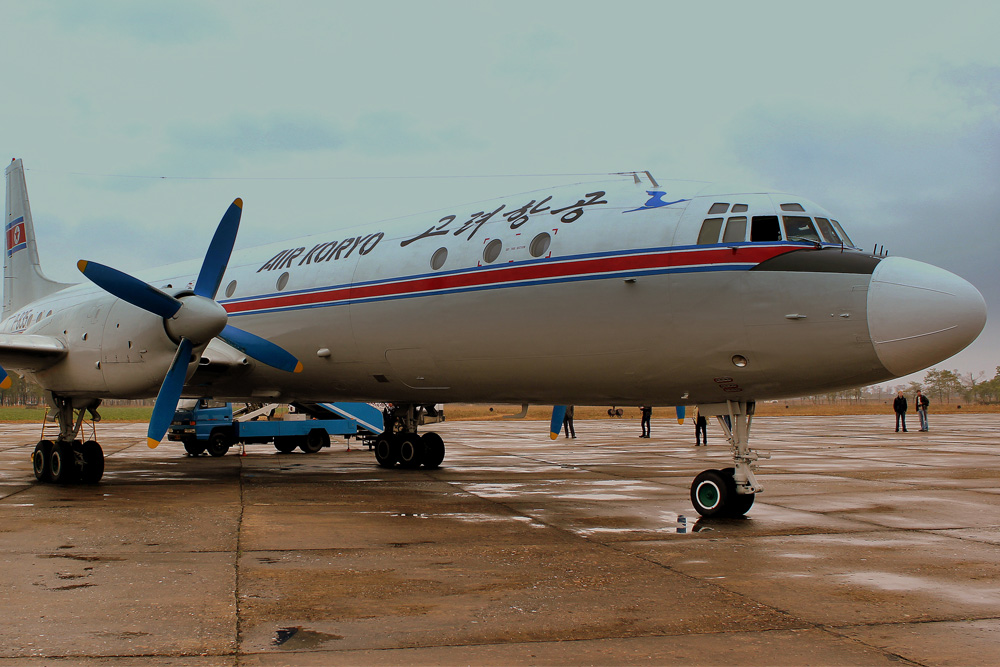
pixel 618 291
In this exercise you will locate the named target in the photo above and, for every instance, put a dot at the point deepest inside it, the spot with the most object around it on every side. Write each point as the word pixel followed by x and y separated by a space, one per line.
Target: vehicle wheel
pixel 386 451
pixel 93 462
pixel 314 441
pixel 411 451
pixel 710 493
pixel 62 461
pixel 40 460
pixel 218 443
pixel 194 448
pixel 739 503
pixel 285 445
pixel 433 450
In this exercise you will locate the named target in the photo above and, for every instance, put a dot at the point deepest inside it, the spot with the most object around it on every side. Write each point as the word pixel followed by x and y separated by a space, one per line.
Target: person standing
pixel 568 422
pixel 922 403
pixel 700 428
pixel 647 414
pixel 899 406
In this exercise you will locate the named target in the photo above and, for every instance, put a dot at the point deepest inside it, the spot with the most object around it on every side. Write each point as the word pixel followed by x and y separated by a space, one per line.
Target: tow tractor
pixel 214 427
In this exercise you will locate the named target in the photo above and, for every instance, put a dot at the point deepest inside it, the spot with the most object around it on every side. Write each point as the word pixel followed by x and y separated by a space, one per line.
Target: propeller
pixel 558 414
pixel 680 414
pixel 5 380
pixel 190 319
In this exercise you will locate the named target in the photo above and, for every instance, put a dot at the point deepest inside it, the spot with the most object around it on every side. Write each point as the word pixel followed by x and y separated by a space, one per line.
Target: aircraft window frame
pixel 740 208
pixel 793 207
pixel 827 230
pixel 800 234
pixel 717 208
pixel 704 235
pixel 439 257
pixel 492 251
pixel 282 281
pixel 758 231
pixel 843 234
pixel 230 289
pixel 540 244
pixel 736 229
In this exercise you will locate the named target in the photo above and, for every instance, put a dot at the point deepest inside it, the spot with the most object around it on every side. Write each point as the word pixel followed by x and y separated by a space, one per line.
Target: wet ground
pixel 867 547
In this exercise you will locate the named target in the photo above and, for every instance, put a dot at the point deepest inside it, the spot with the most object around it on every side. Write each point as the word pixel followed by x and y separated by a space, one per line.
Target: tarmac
pixel 867 547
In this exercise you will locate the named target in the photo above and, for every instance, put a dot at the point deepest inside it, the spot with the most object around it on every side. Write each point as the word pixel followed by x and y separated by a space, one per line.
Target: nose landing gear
pixel 730 491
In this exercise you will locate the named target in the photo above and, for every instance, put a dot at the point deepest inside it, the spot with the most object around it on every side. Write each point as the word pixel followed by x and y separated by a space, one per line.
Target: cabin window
pixel 230 289
pixel 492 251
pixel 843 234
pixel 710 231
pixel 792 207
pixel 800 228
pixel 827 230
pixel 765 228
pixel 540 244
pixel 439 257
pixel 718 208
pixel 740 208
pixel 736 230
pixel 282 281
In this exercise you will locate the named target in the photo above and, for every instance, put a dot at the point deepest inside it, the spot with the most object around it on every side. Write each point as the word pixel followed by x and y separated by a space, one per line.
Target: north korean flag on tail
pixel 16 239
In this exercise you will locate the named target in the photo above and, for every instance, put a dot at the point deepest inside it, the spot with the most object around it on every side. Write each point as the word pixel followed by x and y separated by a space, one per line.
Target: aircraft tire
pixel 739 503
pixel 433 450
pixel 386 451
pixel 61 463
pixel 218 443
pixel 93 462
pixel 285 445
pixel 314 441
pixel 194 448
pixel 710 493
pixel 411 451
pixel 40 460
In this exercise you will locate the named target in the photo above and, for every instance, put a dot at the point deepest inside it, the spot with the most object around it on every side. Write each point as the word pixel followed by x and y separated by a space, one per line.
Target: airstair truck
pixel 203 426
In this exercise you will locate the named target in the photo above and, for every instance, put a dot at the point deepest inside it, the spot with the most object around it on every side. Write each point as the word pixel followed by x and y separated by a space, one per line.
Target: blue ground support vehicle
pixel 215 427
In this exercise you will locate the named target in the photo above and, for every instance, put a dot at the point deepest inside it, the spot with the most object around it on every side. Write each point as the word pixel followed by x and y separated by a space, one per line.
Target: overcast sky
pixel 885 113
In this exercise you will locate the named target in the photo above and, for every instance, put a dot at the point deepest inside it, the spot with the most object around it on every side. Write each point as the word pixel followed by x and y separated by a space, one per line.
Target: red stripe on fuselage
pixel 515 274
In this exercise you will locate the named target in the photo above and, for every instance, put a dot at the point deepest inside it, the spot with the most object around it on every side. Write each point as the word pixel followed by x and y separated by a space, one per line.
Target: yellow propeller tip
pixel 82 265
pixel 298 367
pixel 553 436
pixel 6 383
pixel 152 442
pixel 680 421
pixel 238 202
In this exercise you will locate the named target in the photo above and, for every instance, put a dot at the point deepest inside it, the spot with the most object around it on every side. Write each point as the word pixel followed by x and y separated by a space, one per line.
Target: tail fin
pixel 23 280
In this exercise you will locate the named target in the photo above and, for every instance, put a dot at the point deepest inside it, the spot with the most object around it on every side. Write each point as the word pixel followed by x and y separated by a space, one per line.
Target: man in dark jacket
pixel 922 403
pixel 899 405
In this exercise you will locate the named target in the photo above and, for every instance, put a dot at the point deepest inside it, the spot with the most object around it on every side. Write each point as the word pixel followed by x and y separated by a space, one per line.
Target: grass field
pixel 469 412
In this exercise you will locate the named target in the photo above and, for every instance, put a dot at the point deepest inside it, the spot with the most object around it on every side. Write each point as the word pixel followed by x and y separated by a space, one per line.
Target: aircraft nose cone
pixel 919 314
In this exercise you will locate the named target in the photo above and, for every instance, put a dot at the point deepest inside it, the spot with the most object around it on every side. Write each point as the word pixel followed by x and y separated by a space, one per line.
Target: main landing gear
pixel 729 491
pixel 66 459
pixel 401 444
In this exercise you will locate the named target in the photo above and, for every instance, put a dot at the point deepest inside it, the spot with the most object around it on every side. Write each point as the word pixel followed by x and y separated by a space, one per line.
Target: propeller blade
pixel 127 288
pixel 262 350
pixel 170 393
pixel 680 414
pixel 558 414
pixel 219 251
pixel 5 380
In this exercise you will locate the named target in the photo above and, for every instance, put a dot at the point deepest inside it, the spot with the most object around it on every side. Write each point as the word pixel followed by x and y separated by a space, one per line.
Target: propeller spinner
pixel 191 319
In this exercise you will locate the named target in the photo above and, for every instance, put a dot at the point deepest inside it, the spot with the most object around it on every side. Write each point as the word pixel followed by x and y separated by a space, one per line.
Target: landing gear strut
pixel 401 444
pixel 67 460
pixel 730 491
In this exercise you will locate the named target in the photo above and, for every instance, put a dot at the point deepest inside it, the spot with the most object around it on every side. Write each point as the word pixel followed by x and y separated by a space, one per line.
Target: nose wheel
pixel 729 492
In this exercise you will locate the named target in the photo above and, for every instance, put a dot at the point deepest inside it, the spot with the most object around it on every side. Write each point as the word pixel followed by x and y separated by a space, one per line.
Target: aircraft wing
pixel 30 352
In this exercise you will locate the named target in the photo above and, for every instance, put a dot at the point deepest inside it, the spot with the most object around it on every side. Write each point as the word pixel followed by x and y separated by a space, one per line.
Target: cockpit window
pixel 792 207
pixel 827 230
pixel 736 230
pixel 718 208
pixel 710 231
pixel 843 234
pixel 799 228
pixel 739 208
pixel 765 228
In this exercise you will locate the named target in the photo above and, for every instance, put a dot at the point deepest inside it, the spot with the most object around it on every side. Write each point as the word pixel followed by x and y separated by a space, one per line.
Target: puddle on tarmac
pixel 297 637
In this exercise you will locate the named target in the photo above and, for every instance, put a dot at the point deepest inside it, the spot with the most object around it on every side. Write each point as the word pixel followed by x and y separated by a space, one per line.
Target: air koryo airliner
pixel 623 291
